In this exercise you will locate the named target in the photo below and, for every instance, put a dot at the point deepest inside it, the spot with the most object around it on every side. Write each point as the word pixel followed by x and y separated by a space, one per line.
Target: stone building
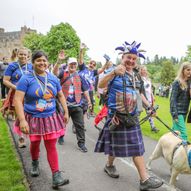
pixel 11 40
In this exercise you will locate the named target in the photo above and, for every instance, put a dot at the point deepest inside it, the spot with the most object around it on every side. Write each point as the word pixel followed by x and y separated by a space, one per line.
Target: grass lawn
pixel 164 113
pixel 11 174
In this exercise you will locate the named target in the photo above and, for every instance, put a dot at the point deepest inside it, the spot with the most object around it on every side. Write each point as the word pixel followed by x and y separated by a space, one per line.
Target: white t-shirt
pixel 148 88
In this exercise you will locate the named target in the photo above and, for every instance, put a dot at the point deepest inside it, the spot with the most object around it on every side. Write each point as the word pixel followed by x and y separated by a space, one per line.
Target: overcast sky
pixel 162 26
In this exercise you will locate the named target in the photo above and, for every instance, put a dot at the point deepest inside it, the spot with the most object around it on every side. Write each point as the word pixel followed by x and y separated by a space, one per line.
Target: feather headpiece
pixel 131 49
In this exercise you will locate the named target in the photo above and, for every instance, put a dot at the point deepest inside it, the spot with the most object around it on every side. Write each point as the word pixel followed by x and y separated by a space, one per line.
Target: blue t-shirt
pixel 15 73
pixel 88 75
pixel 116 96
pixel 33 94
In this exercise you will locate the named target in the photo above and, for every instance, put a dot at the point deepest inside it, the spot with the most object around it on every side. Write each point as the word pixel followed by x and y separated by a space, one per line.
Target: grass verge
pixel 11 174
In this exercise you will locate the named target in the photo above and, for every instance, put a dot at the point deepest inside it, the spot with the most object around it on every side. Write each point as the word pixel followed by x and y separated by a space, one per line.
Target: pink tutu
pixel 50 127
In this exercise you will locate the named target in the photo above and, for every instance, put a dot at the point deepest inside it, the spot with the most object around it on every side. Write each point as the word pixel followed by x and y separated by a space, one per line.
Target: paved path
pixel 85 170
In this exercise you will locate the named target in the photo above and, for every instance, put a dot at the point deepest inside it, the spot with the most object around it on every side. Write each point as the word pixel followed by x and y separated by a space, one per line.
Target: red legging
pixel 52 154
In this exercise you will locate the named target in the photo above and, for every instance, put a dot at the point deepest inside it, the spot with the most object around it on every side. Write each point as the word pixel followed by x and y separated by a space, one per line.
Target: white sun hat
pixel 72 60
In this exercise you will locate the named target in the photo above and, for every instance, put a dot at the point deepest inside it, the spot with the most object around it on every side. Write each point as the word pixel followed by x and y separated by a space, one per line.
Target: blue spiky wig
pixel 132 48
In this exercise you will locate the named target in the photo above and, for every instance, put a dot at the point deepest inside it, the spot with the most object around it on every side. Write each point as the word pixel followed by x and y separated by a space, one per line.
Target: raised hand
pixel 61 55
pixel 120 70
pixel 83 46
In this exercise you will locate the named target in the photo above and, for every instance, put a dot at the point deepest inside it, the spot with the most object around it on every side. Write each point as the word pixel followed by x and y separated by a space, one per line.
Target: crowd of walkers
pixel 43 100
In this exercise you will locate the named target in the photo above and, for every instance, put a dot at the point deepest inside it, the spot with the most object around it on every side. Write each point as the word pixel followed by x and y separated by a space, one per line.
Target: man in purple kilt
pixel 121 135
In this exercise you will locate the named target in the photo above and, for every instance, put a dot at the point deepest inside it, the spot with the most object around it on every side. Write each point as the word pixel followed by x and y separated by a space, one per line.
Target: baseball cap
pixel 72 60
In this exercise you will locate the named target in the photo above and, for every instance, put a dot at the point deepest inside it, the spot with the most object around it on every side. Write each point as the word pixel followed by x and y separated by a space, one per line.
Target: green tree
pixel 154 71
pixel 156 60
pixel 34 41
pixel 147 60
pixel 62 36
pixel 167 74
pixel 98 65
pixel 188 53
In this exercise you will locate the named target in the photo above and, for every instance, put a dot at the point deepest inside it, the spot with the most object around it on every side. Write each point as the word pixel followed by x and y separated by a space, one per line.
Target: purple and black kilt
pixel 121 142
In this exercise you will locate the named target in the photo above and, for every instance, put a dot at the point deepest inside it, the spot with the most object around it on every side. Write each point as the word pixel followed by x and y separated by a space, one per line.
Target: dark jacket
pixel 179 100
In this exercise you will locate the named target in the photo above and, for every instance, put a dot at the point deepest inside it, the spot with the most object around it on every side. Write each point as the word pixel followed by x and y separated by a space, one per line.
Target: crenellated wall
pixel 11 40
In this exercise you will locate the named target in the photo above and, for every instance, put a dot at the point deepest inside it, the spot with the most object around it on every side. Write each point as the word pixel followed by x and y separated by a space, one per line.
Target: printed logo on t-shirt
pixel 47 97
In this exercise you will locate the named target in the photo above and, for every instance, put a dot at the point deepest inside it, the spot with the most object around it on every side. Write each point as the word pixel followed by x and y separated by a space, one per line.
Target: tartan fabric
pixel 77 86
pixel 179 100
pixel 8 102
pixel 121 142
pixel 42 126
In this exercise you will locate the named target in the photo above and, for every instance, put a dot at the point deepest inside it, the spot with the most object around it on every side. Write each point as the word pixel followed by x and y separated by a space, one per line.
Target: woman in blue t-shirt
pixel 11 77
pixel 38 117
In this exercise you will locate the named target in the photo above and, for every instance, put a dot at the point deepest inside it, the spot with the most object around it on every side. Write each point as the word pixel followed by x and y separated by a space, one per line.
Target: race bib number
pixel 71 89
pixel 41 105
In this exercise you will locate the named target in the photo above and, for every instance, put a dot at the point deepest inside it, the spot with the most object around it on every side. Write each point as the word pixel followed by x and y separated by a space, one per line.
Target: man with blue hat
pixel 121 135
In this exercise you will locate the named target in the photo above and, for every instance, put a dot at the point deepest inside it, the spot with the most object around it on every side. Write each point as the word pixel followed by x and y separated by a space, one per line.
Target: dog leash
pixel 144 119
pixel 172 131
pixel 184 142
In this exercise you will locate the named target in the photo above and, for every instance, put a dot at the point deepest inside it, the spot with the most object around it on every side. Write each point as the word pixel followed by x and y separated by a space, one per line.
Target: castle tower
pixel 11 40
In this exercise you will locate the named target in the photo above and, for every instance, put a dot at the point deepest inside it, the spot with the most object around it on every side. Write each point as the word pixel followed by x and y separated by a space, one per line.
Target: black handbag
pixel 131 121
pixel 127 121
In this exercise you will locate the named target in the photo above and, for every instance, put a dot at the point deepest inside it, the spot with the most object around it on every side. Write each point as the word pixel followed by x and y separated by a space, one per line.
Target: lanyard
pixel 21 68
pixel 132 79
pixel 40 83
